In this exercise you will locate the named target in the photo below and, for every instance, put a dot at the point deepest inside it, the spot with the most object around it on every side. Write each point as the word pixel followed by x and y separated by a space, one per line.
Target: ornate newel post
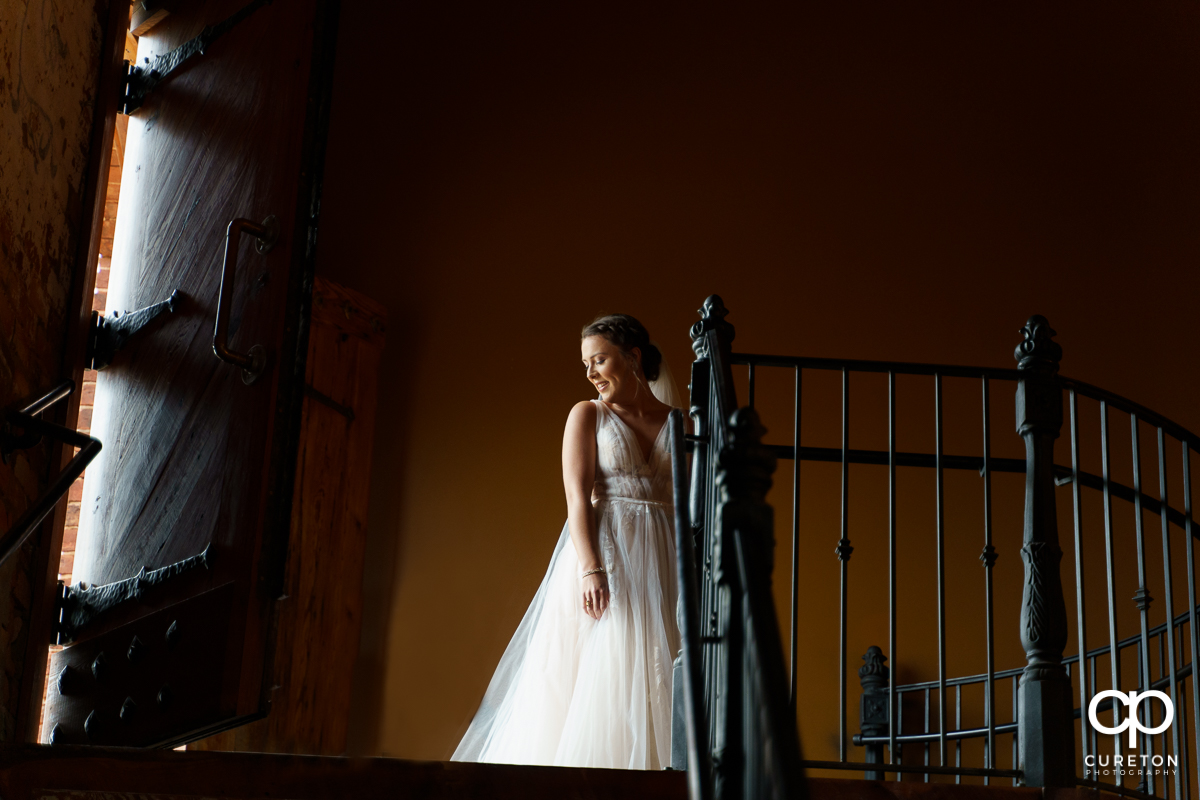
pixel 745 467
pixel 1047 741
pixel 743 478
pixel 712 337
pixel 745 763
pixel 873 706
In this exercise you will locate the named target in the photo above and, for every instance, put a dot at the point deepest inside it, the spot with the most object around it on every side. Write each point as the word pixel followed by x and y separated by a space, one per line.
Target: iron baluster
pixel 941 568
pixel 1170 609
pixel 1162 739
pixel 1142 738
pixel 843 551
pixel 1080 617
pixel 988 557
pixel 1142 598
pixel 892 709
pixel 958 727
pixel 1184 766
pixel 792 628
pixel 1191 581
pixel 1016 718
pixel 1114 653
pixel 1092 682
pixel 927 731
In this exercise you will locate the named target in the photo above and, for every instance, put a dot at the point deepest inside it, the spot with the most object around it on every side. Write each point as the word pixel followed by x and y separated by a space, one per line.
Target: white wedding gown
pixel 574 691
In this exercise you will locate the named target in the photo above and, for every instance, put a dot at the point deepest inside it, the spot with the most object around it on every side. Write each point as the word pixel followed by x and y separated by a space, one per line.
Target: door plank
pixel 320 621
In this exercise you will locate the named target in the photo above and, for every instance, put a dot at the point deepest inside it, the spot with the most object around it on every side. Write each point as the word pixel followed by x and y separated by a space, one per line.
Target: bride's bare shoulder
pixel 581 422
pixel 582 413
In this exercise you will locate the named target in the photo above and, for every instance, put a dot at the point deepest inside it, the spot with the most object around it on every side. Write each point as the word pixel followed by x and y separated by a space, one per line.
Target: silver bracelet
pixel 597 570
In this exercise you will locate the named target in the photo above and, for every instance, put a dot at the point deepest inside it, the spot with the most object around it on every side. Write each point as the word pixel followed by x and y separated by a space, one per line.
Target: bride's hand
pixel 595 595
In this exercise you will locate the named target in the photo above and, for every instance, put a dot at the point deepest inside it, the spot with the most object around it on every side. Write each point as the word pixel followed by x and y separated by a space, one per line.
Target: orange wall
pixel 883 183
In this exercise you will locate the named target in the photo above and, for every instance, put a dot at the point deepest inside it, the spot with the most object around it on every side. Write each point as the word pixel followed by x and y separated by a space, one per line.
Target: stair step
pixel 36 771
pixel 29 772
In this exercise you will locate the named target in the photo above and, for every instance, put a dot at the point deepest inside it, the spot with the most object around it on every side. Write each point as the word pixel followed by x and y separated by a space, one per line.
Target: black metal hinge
pixel 79 606
pixel 139 81
pixel 110 334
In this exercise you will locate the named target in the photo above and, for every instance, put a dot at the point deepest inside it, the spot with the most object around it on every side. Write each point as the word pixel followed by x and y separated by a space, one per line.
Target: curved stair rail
pixel 1046 696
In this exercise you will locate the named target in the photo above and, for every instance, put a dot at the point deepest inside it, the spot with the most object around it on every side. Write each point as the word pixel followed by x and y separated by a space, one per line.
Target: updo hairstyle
pixel 627 333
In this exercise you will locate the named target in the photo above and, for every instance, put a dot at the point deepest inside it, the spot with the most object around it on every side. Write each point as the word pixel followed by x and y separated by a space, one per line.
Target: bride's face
pixel 610 370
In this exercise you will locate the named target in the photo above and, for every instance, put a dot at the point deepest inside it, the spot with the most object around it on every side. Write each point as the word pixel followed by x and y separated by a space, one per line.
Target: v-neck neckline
pixel 636 444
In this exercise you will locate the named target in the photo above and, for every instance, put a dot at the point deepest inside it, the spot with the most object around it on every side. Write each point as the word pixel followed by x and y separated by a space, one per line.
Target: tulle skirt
pixel 574 691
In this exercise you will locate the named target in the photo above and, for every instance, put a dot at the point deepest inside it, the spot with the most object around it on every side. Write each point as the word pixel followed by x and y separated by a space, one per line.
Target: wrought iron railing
pixel 1046 695
pixel 741 732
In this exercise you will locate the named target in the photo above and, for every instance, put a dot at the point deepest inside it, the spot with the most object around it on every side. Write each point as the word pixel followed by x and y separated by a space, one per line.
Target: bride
pixel 586 679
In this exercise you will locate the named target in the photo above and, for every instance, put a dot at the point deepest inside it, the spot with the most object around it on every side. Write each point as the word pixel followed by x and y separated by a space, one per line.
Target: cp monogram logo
pixel 1132 699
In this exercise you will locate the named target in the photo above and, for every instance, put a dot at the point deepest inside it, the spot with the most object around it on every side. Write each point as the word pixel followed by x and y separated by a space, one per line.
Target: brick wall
pixel 66 562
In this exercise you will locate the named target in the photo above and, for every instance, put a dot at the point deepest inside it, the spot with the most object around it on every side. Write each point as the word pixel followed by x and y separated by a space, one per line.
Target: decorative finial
pixel 874 673
pixel 1038 349
pixel 713 308
pixel 712 317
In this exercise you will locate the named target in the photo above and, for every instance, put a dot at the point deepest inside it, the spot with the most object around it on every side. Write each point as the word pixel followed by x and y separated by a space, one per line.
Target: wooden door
pixel 318 625
pixel 194 484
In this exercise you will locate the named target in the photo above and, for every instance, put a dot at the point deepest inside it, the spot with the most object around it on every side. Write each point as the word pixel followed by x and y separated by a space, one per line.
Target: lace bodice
pixel 621 471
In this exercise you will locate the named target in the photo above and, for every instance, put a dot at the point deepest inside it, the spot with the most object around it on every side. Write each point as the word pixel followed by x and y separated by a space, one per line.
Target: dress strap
pixel 600 411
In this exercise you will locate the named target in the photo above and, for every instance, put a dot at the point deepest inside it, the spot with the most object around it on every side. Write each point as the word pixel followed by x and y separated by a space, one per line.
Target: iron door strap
pixel 140 81
pixel 109 334
pixel 80 606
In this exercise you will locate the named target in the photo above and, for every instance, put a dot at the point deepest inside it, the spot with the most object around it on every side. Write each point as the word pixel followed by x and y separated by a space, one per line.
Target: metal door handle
pixel 254 362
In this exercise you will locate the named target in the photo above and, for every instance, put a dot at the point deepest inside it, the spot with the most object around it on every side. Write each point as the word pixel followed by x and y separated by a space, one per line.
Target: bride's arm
pixel 579 476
